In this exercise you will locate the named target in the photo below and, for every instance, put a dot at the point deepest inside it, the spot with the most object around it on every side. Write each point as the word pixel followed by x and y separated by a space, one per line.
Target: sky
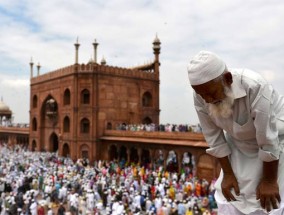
pixel 245 34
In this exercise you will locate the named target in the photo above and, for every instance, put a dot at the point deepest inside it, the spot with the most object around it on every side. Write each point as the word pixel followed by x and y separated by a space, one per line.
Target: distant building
pixel 10 133
pixel 5 114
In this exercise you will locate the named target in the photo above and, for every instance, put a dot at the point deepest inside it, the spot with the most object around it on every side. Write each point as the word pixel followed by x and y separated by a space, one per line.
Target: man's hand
pixel 267 190
pixel 268 194
pixel 229 182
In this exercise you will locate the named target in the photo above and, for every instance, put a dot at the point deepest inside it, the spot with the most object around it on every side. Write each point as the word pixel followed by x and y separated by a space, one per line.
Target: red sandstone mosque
pixel 75 111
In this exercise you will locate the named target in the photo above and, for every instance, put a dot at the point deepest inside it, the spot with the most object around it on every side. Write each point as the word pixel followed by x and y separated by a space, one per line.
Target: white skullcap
pixel 204 67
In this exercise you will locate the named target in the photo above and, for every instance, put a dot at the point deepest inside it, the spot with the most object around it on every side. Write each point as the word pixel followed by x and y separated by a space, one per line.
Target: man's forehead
pixel 203 88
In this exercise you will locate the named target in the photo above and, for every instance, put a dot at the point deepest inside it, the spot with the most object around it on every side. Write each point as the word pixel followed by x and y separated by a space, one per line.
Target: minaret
pixel 95 44
pixel 38 68
pixel 31 65
pixel 156 48
pixel 76 51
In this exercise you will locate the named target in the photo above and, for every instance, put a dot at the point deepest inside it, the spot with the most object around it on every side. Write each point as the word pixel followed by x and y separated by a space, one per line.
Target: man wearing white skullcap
pixel 242 119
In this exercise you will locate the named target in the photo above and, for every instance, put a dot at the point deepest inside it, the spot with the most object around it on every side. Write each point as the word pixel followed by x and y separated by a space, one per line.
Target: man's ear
pixel 228 78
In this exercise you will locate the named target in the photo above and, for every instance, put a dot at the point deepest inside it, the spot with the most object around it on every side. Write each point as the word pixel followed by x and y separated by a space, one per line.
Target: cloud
pixel 15 83
pixel 244 33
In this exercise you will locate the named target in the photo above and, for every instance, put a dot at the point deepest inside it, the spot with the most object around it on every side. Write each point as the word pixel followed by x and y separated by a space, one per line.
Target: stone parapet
pixel 14 130
pixel 99 69
pixel 192 136
pixel 54 74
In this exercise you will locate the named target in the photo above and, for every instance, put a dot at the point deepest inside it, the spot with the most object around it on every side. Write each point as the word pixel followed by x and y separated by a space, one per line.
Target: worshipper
pixel 206 212
pixel 99 207
pixel 241 116
pixel 196 210
pixel 41 210
pixel 152 209
pixel 90 200
pixel 148 204
pixel 19 211
pixel 120 208
pixel 181 208
pixel 74 202
pixel 2 186
pixel 62 194
pixel 82 206
pixel 137 200
pixel 49 211
pixel 33 207
pixel 61 209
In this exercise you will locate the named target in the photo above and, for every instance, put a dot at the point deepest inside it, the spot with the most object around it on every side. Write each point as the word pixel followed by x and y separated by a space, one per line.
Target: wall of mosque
pixel 94 100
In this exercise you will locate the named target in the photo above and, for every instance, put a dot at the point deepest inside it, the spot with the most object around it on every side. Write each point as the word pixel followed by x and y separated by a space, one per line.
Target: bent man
pixel 242 119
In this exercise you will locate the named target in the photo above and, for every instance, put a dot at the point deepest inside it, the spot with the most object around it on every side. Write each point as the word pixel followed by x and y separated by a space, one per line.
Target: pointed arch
pixel 48 118
pixel 134 157
pixel 159 158
pixel 147 120
pixel 51 106
pixel 33 146
pixel 123 154
pixel 34 124
pixel 147 100
pixel 66 150
pixel 50 109
pixel 145 158
pixel 67 97
pixel 85 96
pixel 172 162
pixel 188 159
pixel 113 154
pixel 85 125
pixel 85 151
pixel 35 100
pixel 66 124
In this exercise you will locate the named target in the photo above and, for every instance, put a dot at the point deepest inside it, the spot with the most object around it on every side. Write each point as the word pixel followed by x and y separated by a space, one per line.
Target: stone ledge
pixel 157 135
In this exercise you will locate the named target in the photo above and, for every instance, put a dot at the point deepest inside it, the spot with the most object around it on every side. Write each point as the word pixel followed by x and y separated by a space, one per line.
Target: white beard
pixel 224 108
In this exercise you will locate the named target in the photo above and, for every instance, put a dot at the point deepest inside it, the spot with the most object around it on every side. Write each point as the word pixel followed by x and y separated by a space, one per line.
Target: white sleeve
pixel 263 112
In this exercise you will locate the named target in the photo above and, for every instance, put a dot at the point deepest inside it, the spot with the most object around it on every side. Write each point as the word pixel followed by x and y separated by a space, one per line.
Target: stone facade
pixel 71 107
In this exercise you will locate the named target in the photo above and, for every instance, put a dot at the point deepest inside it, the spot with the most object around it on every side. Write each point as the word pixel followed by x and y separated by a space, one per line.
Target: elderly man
pixel 242 119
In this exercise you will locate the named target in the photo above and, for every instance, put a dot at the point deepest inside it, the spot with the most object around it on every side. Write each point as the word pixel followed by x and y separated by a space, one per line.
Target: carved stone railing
pixel 96 68
pixel 14 130
pixel 157 135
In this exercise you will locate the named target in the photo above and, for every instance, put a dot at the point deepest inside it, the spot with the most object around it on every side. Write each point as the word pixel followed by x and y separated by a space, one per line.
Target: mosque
pixel 76 111
pixel 5 114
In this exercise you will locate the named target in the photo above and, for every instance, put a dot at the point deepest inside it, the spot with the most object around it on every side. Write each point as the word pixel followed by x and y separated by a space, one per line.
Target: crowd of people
pixel 161 127
pixel 41 183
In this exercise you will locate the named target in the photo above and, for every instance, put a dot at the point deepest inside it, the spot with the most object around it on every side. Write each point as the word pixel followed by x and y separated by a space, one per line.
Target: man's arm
pixel 265 114
pixel 268 191
pixel 229 179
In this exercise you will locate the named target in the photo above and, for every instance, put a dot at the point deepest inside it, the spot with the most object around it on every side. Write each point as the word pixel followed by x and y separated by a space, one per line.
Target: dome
pixel 103 61
pixel 157 40
pixel 4 109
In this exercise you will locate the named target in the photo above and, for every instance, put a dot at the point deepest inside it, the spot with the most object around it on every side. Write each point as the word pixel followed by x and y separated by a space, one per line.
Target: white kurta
pixel 252 135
